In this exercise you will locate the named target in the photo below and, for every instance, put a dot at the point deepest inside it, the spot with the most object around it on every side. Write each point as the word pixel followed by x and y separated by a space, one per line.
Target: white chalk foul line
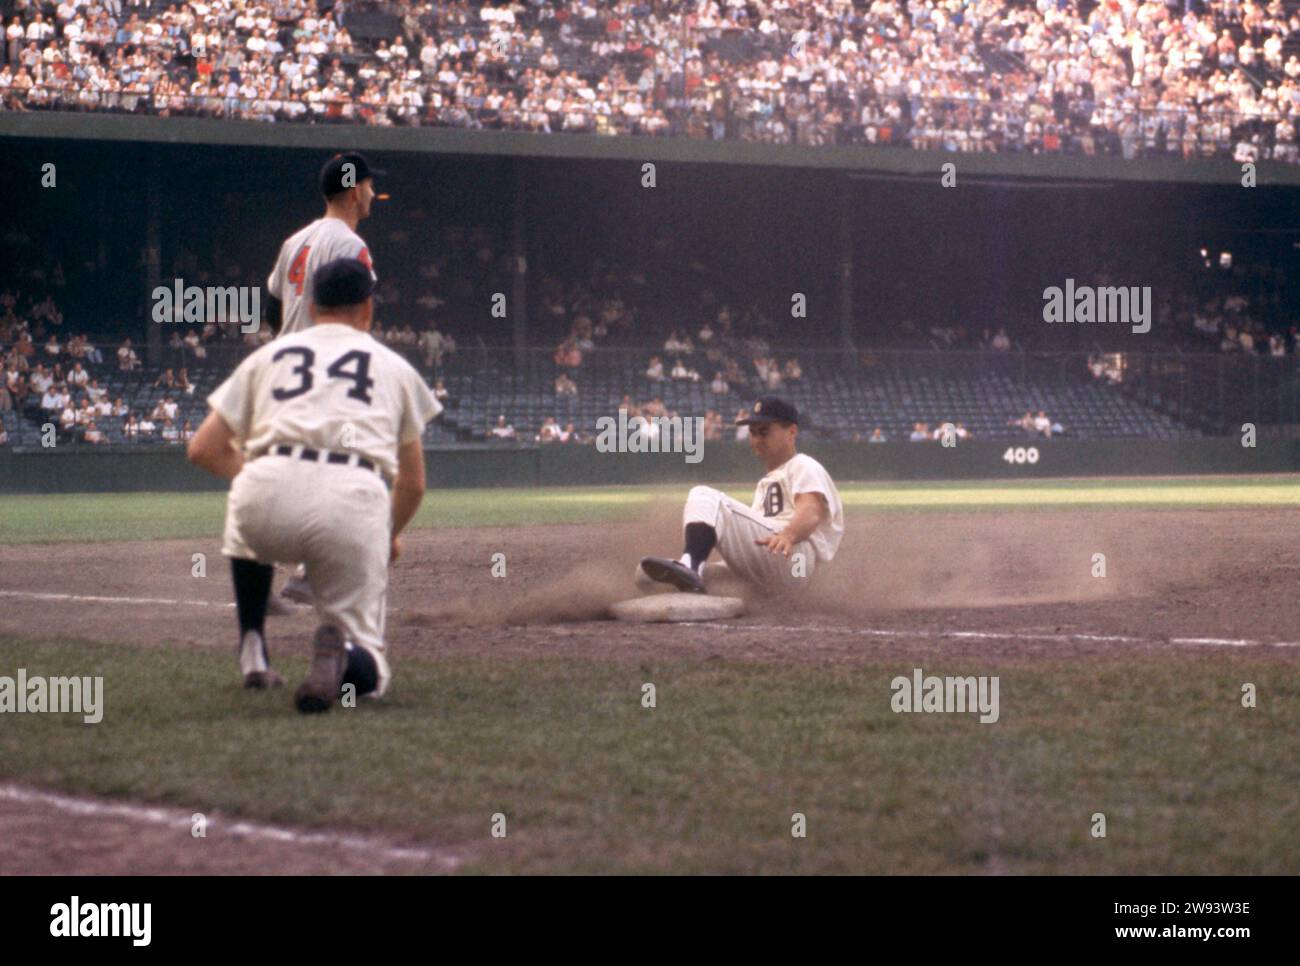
pixel 858 631
pixel 998 635
pixel 175 818
pixel 93 599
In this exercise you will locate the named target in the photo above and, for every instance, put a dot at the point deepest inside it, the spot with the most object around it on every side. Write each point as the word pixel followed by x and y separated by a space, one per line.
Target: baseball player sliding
pixel 347 182
pixel 308 429
pixel 793 527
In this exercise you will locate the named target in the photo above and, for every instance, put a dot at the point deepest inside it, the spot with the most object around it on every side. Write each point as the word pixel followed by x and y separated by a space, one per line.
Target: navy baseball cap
pixel 334 171
pixel 770 409
pixel 342 282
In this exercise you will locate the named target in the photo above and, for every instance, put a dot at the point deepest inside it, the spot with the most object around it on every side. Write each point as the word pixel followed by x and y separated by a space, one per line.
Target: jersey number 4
pixel 298 269
pixel 353 366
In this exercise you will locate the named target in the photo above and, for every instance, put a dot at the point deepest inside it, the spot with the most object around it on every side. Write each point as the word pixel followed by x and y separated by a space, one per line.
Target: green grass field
pixel 82 518
pixel 707 781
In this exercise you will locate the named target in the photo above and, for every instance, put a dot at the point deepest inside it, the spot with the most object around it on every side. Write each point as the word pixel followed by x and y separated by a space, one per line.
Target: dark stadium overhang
pixel 455 141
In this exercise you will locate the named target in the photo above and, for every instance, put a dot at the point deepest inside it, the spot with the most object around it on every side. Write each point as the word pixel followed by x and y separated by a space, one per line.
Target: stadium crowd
pixel 1193 78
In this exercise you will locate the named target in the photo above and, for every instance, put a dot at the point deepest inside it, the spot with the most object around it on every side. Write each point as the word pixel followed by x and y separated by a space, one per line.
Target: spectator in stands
pixel 195 345
pixel 67 417
pixel 52 348
pixel 712 426
pixel 877 436
pixel 655 371
pixel 920 433
pixel 183 382
pixel 40 380
pixel 169 432
pixel 93 434
pixel 719 386
pixel 147 427
pixel 95 392
pixel 1000 342
pixel 187 432
pixel 441 394
pixel 1025 422
pixel 962 432
pixel 742 431
pixel 52 399
pixel 165 379
pixel 565 386
pixel 431 345
pixel 793 371
pixel 120 409
pixel 568 354
pixel 675 343
pixel 165 410
pixel 550 431
pixel 127 360
pixel 131 428
pixel 502 430
pixel 78 377
pixel 1041 424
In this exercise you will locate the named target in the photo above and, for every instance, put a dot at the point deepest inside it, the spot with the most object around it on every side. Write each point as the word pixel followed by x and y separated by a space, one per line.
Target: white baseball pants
pixel 738 527
pixel 335 519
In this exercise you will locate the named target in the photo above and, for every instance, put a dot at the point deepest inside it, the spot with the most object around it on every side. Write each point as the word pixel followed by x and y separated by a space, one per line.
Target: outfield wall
pixel 83 470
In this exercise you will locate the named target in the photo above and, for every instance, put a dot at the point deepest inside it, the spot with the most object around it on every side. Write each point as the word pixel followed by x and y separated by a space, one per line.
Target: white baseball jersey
pixel 330 387
pixel 306 250
pixel 775 493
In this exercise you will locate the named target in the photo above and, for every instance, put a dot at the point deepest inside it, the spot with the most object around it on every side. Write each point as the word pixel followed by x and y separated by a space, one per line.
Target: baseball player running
pixel 793 527
pixel 348 186
pixel 308 429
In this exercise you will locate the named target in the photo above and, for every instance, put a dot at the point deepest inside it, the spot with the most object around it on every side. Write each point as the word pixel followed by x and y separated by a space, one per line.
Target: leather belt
pixel 317 455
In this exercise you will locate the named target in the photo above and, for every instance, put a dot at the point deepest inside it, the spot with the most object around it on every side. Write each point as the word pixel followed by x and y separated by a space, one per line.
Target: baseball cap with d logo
pixel 770 409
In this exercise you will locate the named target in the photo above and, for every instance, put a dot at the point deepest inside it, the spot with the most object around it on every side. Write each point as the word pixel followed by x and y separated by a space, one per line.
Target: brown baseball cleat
pixel 325 678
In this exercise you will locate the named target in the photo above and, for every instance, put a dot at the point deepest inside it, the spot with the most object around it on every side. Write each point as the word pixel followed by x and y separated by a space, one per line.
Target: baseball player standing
pixel 347 182
pixel 793 527
pixel 297 495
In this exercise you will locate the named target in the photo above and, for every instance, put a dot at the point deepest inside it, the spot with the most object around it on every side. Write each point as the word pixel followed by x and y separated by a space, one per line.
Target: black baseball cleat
pixel 674 572
pixel 329 660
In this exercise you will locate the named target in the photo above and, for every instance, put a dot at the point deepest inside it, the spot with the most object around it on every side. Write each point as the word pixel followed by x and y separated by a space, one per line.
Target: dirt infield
pixel 1171 573
pixel 987 583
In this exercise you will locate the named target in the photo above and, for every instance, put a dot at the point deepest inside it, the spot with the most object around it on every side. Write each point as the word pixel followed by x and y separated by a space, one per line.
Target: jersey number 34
pixel 353 366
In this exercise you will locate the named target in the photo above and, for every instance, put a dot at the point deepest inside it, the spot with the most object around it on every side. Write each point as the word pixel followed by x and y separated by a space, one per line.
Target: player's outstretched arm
pixel 213 448
pixel 408 489
pixel 810 511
